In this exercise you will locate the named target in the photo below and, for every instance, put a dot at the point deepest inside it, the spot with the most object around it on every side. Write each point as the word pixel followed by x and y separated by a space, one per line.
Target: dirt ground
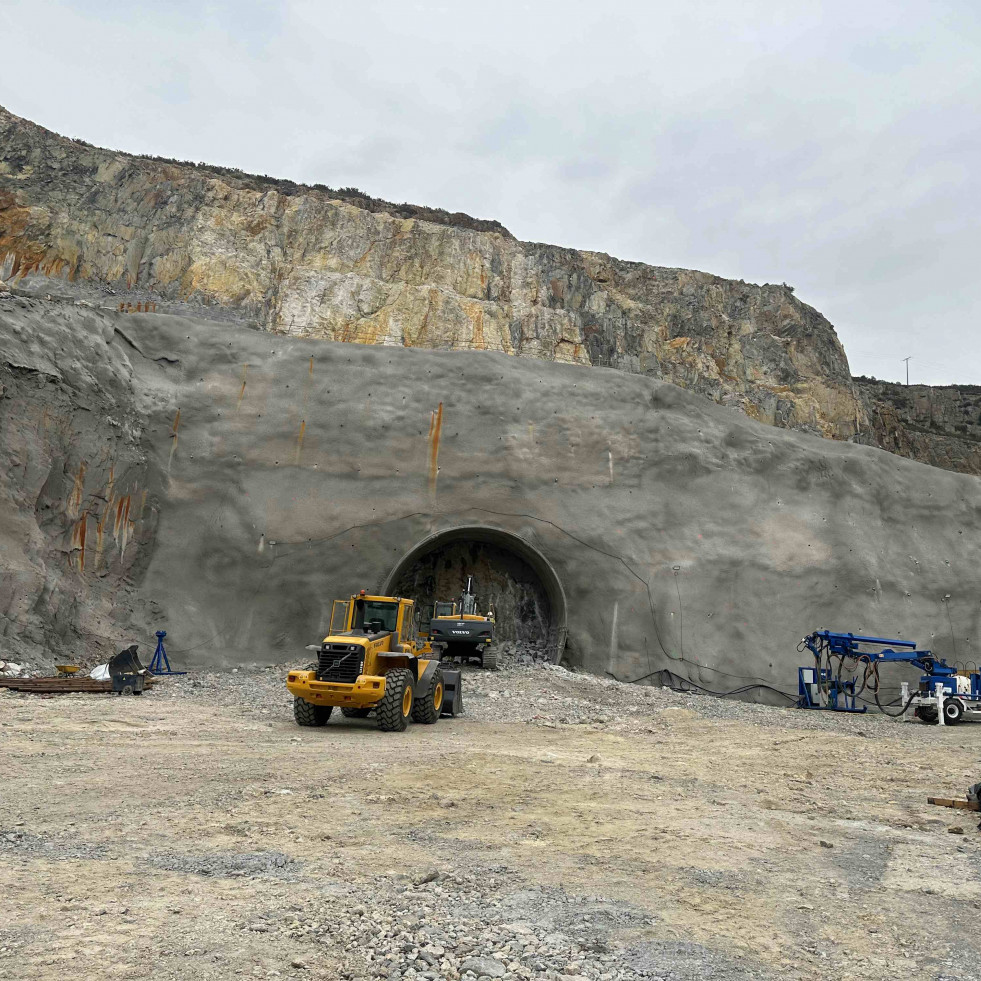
pixel 564 826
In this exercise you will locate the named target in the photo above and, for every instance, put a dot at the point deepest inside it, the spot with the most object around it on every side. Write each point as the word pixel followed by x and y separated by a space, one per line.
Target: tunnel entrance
pixel 510 576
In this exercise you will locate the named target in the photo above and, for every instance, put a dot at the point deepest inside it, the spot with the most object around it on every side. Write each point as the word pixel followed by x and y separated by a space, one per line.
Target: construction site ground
pixel 566 826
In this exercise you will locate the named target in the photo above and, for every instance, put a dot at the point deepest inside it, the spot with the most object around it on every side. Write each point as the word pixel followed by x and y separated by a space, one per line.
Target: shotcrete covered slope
pixel 328 265
pixel 227 483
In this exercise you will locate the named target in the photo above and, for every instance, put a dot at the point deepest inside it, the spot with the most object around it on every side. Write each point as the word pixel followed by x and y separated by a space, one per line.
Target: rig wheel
pixel 395 708
pixel 307 714
pixel 929 716
pixel 953 711
pixel 355 713
pixel 428 708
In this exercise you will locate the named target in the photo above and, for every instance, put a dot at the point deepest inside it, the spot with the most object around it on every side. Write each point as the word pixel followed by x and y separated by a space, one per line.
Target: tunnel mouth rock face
pixel 511 577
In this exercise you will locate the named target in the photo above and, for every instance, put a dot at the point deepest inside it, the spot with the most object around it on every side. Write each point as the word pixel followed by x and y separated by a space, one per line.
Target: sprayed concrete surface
pixel 225 484
pixel 571 826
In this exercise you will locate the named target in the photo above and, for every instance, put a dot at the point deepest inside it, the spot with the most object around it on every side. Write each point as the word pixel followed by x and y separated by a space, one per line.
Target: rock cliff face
pixel 937 425
pixel 341 266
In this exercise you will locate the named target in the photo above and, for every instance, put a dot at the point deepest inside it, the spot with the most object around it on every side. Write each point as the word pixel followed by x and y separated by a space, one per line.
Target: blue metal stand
pixel 818 688
pixel 161 663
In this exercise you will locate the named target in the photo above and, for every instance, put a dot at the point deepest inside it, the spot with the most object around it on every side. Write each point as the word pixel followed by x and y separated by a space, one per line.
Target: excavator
pixel 457 630
pixel 374 661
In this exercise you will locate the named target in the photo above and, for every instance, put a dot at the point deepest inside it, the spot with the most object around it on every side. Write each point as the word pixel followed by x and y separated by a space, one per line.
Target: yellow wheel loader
pixel 373 660
pixel 458 630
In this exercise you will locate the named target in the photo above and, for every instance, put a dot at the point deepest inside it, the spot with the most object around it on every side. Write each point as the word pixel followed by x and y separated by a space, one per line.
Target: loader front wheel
pixel 395 708
pixel 307 714
pixel 428 708
pixel 355 713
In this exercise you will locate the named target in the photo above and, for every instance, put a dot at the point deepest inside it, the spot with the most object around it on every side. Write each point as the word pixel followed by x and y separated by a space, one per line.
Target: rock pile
pixel 465 926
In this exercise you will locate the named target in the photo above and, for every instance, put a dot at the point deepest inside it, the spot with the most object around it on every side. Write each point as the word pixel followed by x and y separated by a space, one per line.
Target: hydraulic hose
pixel 893 715
pixel 872 669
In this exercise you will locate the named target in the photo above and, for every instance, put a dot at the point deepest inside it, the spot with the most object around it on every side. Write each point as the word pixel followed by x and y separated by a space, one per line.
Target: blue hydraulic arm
pixel 850 645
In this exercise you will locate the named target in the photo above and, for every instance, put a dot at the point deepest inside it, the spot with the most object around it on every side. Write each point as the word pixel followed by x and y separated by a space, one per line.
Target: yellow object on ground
pixel 372 660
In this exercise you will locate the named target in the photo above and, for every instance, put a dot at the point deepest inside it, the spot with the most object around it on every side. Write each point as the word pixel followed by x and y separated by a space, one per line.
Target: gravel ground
pixel 565 827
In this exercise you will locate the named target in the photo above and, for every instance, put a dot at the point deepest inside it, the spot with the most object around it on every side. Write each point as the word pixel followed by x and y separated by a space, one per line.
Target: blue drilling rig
pixel 945 695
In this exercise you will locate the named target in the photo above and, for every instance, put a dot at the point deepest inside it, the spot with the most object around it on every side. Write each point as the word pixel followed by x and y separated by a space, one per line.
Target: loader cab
pixel 373 615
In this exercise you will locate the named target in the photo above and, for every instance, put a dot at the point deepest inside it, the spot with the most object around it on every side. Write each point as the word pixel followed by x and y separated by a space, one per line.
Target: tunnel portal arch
pixel 557 627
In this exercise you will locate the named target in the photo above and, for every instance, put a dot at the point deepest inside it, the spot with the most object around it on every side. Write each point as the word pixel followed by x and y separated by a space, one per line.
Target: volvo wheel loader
pixel 458 630
pixel 373 660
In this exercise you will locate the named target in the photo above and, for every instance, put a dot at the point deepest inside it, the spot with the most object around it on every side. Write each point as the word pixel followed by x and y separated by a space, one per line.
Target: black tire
pixel 489 660
pixel 355 713
pixel 929 716
pixel 953 711
pixel 427 709
pixel 395 708
pixel 307 714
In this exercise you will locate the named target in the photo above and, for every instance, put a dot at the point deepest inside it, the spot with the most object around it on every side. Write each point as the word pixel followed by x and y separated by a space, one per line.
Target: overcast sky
pixel 834 146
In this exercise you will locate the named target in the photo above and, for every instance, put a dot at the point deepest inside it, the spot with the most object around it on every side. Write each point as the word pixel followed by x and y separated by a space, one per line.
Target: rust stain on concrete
pixel 245 374
pixel 435 428
pixel 123 526
pixel 299 440
pixel 122 506
pixel 100 528
pixel 174 438
pixel 78 489
pixel 78 540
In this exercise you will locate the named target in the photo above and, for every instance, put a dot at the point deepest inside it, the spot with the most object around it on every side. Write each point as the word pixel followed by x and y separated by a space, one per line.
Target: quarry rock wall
pixel 940 425
pixel 340 266
pixel 225 484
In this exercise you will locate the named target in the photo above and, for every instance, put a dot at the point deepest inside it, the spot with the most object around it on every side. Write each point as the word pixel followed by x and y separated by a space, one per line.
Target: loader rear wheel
pixel 307 714
pixel 355 713
pixel 488 660
pixel 428 708
pixel 395 708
